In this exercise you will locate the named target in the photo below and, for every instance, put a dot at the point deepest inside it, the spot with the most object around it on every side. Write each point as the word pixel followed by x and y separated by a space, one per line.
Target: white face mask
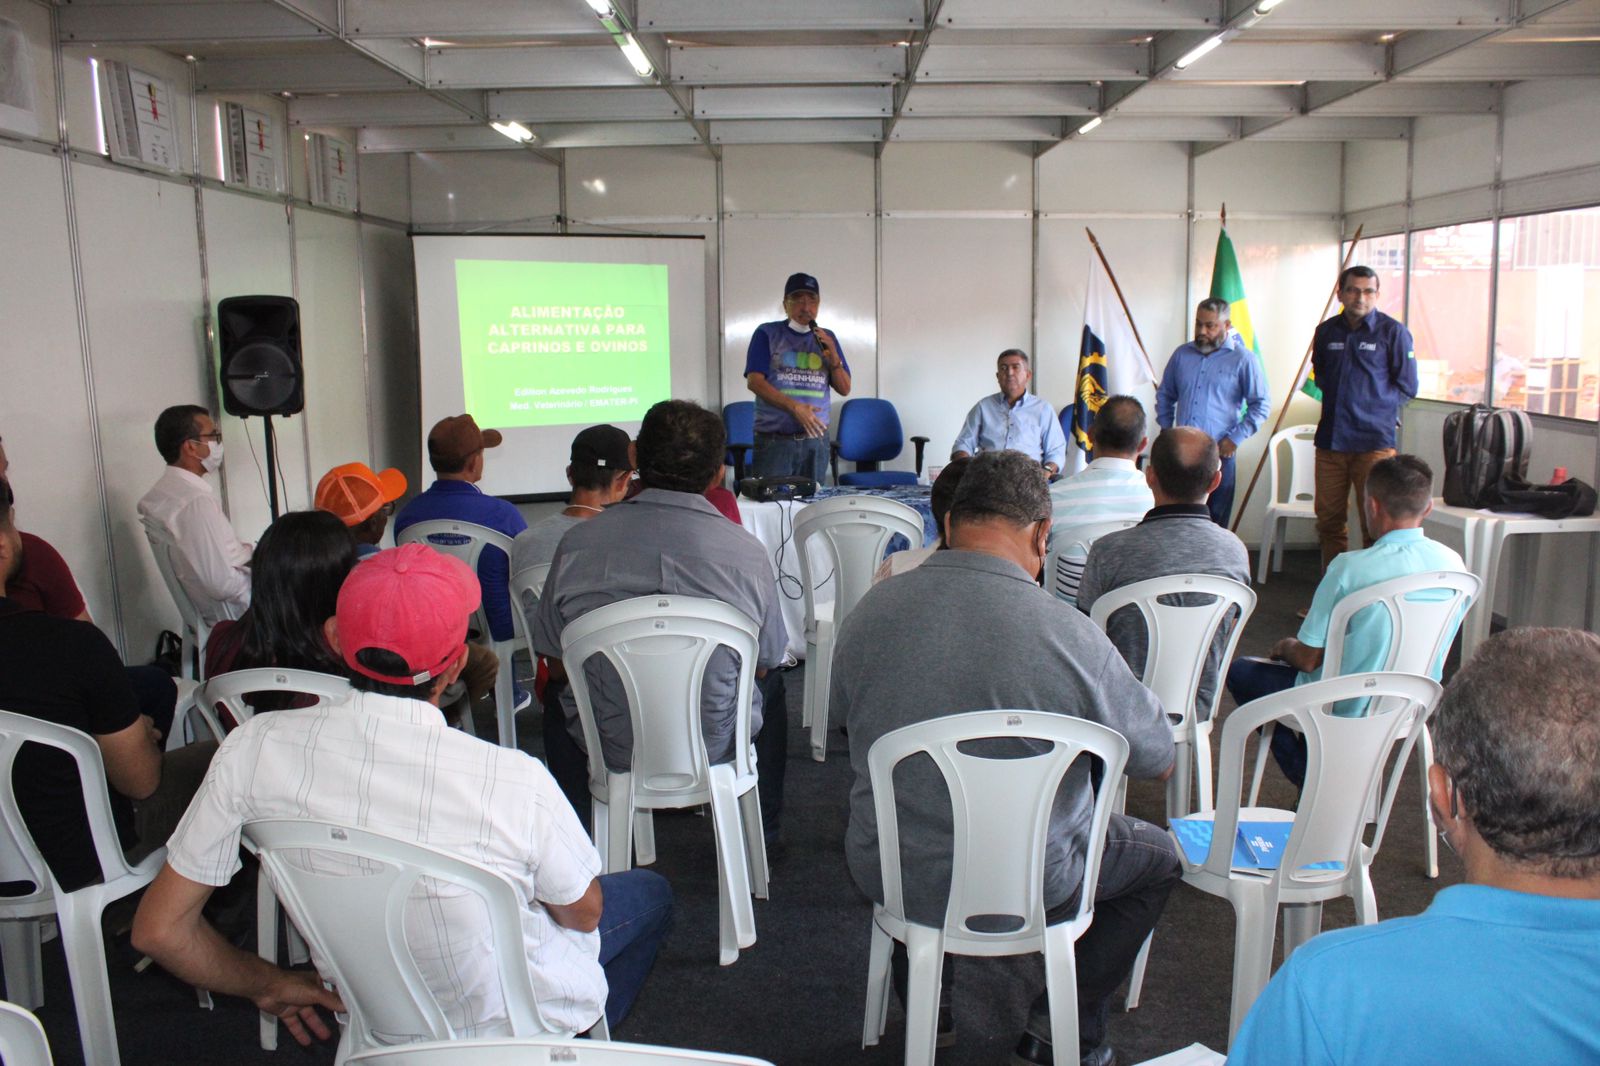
pixel 213 460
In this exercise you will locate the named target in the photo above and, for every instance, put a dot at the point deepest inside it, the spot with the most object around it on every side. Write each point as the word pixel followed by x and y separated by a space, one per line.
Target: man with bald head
pixel 1177 536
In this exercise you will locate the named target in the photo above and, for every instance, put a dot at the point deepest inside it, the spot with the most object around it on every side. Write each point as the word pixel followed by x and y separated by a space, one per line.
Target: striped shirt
pixel 391 765
pixel 1106 490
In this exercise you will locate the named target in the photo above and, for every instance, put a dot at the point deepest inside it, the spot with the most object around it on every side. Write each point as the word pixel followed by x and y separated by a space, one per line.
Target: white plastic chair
pixel 659 647
pixel 855 532
pixel 1001 818
pixel 537 1051
pixel 224 694
pixel 194 629
pixel 1345 761
pixel 77 913
pixel 349 889
pixel 22 1040
pixel 1180 636
pixel 1422 628
pixel 466 541
pixel 1061 576
pixel 1294 498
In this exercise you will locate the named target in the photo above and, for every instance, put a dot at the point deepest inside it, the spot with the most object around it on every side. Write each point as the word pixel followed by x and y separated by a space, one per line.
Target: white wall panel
pixel 1374 173
pixel 1452 152
pixel 957 177
pixel 386 185
pixel 247 254
pixel 327 257
pixel 1289 269
pixel 515 189
pixel 1147 256
pixel 1087 175
pixel 34 21
pixel 44 413
pixel 1258 176
pixel 1550 125
pixel 141 278
pixel 664 182
pixel 761 253
pixel 391 315
pixel 955 294
pixel 780 178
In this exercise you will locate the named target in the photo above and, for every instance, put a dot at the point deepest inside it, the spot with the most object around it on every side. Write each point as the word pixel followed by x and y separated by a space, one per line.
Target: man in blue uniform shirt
pixel 793 366
pixel 1014 419
pixel 1215 385
pixel 1500 969
pixel 1366 366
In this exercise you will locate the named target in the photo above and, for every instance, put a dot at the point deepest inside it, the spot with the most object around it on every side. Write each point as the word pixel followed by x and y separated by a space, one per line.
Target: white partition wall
pixel 326 246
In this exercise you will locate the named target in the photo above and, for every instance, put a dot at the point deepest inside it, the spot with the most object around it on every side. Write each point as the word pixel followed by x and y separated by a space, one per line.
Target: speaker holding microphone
pixel 261 372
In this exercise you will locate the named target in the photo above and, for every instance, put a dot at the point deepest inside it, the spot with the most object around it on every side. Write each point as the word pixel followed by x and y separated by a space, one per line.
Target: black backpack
pixel 1482 445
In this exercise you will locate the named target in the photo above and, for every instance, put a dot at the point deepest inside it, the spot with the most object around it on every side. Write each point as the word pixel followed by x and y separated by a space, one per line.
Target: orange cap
pixel 354 493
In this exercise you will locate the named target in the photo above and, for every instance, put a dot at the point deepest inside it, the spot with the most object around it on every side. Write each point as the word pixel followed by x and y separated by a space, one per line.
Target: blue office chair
pixel 869 434
pixel 740 421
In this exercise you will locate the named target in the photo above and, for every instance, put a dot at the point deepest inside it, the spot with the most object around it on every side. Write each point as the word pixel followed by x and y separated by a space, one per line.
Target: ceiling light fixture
pixel 641 62
pixel 1267 5
pixel 1199 51
pixel 1092 125
pixel 515 130
pixel 616 24
pixel 602 8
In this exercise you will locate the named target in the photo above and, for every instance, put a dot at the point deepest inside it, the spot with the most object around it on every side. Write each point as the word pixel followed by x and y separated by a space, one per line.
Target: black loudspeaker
pixel 260 344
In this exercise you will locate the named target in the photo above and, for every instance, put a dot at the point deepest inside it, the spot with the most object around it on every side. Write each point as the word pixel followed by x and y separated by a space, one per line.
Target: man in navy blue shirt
pixel 793 366
pixel 455 451
pixel 1217 386
pixel 1366 365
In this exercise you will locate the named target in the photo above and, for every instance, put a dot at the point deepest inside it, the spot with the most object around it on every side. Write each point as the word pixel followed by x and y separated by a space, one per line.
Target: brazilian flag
pixel 1227 283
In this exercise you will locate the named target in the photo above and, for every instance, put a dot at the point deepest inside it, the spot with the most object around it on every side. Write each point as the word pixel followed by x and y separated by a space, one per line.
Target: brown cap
pixel 454 440
pixel 353 493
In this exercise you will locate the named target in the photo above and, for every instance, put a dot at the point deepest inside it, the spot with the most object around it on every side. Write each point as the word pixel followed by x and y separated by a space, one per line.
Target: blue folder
pixel 1256 845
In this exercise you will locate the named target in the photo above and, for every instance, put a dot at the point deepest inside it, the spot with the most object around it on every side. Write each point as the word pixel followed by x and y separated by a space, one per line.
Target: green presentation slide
pixel 552 344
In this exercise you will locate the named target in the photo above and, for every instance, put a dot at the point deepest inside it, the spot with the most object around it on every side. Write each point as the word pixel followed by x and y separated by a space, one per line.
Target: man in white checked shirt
pixel 384 760
pixel 1109 488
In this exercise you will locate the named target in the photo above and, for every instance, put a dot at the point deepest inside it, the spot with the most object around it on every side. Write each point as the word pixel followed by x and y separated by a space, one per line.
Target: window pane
pixel 1450 309
pixel 1386 255
pixel 1547 325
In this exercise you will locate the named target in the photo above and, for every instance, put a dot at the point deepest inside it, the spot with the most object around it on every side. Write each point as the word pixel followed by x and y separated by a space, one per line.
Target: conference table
pixel 1484 535
pixel 773 524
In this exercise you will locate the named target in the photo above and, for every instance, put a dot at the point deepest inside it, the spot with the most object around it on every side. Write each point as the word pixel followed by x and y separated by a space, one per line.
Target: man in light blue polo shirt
pixel 1501 969
pixel 1397 499
pixel 1215 385
pixel 1013 419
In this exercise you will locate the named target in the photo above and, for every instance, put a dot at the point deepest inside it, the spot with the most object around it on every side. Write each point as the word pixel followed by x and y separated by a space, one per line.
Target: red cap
pixel 412 601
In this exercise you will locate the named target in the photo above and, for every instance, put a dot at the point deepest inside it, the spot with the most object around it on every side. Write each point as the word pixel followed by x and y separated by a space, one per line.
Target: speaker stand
pixel 272 467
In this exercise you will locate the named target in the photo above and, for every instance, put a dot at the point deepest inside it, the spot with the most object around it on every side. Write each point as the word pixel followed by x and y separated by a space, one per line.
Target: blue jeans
pixel 636 915
pixel 787 457
pixel 1250 679
pixel 1221 501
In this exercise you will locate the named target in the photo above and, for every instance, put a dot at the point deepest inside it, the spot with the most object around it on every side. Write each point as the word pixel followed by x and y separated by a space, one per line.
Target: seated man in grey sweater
pixel 1176 537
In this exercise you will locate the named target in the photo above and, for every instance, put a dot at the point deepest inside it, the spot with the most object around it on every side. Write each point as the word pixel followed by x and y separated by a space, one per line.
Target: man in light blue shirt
pixel 1397 499
pixel 1111 488
pixel 1215 385
pixel 1013 419
pixel 1501 969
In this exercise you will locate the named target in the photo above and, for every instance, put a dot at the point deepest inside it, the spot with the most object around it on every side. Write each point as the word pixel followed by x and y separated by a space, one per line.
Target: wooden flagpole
pixel 1126 313
pixel 1298 378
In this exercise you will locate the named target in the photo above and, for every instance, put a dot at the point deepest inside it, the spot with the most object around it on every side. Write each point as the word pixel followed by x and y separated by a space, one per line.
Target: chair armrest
pixel 738 449
pixel 833 459
pixel 921 443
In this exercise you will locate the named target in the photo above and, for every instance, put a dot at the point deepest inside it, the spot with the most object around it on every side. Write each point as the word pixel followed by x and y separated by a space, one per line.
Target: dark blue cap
pixel 801 283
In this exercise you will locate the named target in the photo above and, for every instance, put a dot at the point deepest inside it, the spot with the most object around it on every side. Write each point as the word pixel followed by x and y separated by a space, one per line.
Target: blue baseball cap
pixel 801 283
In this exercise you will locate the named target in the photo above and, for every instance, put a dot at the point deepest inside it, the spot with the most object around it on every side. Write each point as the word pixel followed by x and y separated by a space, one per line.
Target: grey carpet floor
pixel 797 995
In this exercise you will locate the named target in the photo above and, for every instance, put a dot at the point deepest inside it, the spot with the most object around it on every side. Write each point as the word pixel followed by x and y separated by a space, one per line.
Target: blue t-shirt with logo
pixel 792 362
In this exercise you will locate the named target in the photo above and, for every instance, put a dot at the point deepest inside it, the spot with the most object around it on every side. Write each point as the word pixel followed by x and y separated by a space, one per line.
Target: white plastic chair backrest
pixel 855 532
pixel 659 647
pixel 1425 610
pixel 465 541
pixel 1082 534
pixel 20 859
pixel 350 904
pixel 1301 486
pixel 527 585
pixel 22 1040
pixel 1181 631
pixel 1001 810
pixel 228 690
pixel 162 548
pixel 545 1051
pixel 1345 758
